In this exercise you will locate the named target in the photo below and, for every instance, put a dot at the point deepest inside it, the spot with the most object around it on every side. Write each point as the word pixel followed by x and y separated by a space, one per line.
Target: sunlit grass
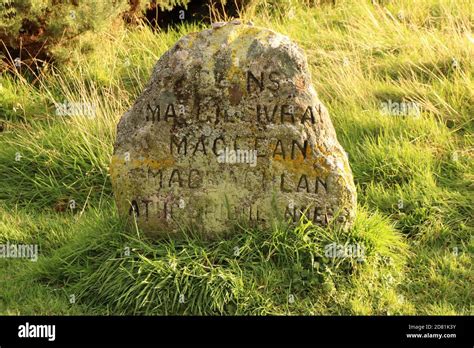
pixel 414 176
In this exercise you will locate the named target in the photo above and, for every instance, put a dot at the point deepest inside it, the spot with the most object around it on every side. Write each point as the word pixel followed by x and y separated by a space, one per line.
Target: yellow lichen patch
pixel 236 74
pixel 234 34
pixel 191 39
pixel 119 162
pixel 114 163
pixel 309 166
pixel 153 164
pixel 299 165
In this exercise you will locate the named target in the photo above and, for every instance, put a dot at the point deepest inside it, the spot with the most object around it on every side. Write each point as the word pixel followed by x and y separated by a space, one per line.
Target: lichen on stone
pixel 236 90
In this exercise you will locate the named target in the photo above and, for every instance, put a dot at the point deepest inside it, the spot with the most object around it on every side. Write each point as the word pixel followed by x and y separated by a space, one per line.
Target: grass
pixel 414 177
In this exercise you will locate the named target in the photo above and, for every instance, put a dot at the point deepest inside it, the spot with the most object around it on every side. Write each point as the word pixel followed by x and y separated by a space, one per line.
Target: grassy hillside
pixel 413 169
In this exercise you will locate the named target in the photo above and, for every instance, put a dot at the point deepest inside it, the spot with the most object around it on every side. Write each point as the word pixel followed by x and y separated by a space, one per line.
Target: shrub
pixel 32 29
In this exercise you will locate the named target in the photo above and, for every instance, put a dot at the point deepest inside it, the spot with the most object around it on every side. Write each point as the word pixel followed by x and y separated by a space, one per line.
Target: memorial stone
pixel 230 130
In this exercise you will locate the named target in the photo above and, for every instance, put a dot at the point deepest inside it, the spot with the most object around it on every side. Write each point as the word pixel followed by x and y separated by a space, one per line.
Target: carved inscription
pixel 264 114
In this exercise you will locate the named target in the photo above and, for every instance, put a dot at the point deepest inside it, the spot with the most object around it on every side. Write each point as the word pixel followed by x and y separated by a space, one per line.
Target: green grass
pixel 414 177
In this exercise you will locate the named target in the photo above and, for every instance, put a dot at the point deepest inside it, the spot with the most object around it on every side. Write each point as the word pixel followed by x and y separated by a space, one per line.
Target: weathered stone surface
pixel 233 87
